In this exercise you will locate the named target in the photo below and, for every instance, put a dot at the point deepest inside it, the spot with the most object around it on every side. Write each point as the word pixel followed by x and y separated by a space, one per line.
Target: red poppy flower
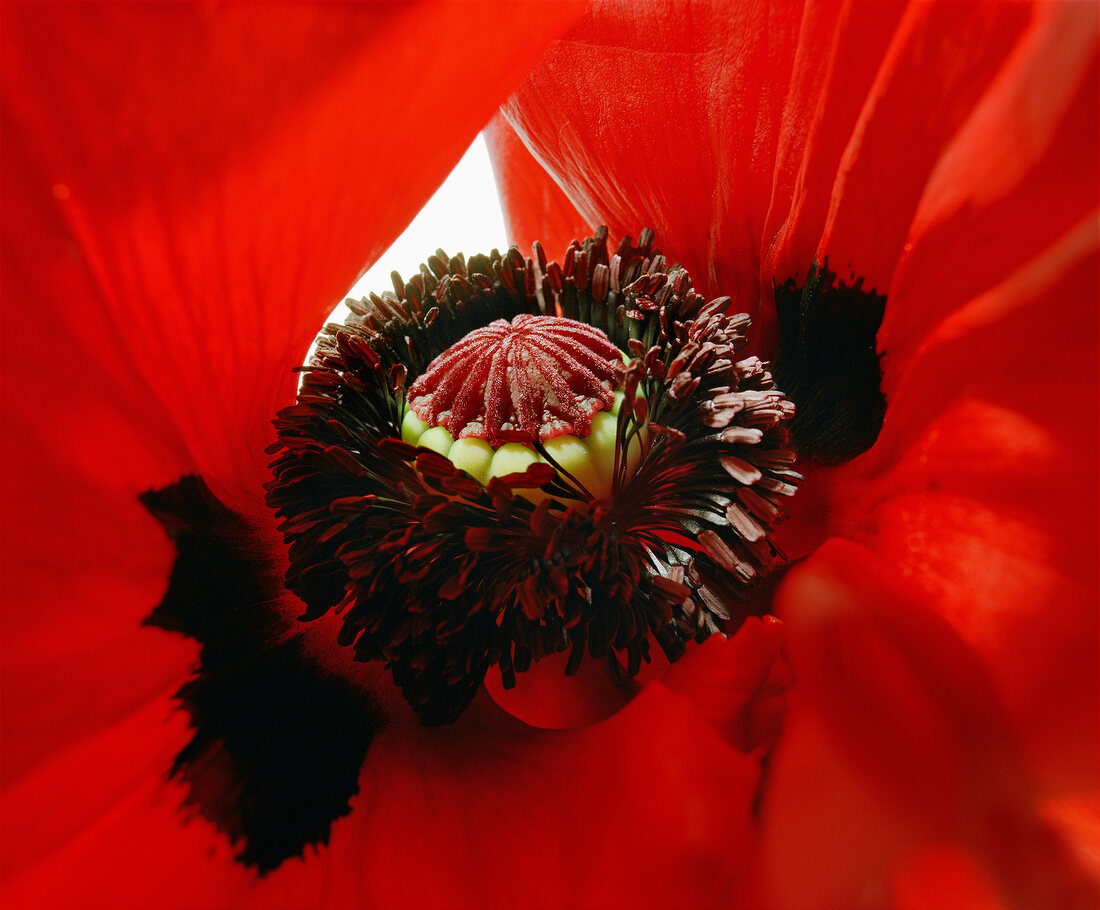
pixel 140 159
pixel 940 160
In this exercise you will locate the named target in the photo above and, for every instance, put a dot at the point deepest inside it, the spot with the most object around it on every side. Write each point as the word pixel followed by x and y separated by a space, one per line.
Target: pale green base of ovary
pixel 590 460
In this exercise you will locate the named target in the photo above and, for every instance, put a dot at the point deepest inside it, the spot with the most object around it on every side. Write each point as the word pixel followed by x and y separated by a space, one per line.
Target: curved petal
pixel 534 206
pixel 771 134
pixel 856 108
pixel 667 115
pixel 982 487
pixel 840 50
pixel 938 65
pixel 220 175
pixel 898 741
pixel 1019 175
pixel 982 491
pixel 487 813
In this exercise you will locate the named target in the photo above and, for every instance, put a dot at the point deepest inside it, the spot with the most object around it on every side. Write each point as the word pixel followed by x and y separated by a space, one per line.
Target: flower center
pixel 445 578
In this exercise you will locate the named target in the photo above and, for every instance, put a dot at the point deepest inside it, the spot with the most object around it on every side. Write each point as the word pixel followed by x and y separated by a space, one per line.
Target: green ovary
pixel 589 460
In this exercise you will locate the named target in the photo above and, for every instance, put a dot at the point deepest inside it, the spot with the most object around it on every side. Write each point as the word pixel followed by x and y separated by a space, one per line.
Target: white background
pixel 463 216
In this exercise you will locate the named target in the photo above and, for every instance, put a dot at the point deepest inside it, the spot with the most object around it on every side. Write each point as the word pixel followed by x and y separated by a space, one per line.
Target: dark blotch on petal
pixel 277 745
pixel 829 366
pixel 222 587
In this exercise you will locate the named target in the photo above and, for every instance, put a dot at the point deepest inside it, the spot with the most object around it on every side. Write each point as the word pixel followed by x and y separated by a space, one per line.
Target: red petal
pixel 982 487
pixel 897 741
pixel 535 208
pixel 83 565
pixel 218 176
pixel 1019 176
pixel 486 813
pixel 768 142
pixel 667 115
pixel 187 192
pixel 61 808
pixel 982 491
pixel 937 67
pixel 840 49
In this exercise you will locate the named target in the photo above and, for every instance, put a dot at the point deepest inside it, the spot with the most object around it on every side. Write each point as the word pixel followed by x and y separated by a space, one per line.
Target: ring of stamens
pixel 443 577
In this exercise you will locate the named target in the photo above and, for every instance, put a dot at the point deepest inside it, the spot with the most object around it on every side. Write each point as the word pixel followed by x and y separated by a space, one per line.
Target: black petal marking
pixel 828 364
pixel 277 746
